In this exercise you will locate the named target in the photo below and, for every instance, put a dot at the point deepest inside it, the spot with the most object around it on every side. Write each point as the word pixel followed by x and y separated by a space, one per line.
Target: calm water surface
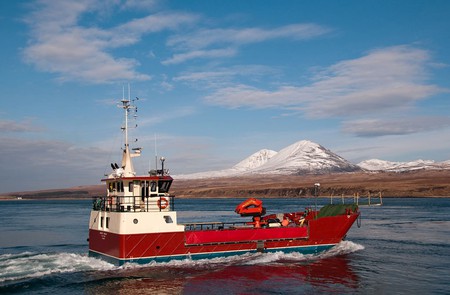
pixel 402 247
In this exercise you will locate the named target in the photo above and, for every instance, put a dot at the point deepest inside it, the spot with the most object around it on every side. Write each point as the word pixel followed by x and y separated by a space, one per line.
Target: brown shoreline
pixel 424 183
pixel 412 184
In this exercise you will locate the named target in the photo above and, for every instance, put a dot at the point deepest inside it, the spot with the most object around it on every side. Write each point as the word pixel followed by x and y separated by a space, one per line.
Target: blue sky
pixel 218 81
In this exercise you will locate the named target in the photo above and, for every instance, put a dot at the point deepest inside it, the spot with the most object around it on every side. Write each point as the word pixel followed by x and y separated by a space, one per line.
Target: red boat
pixel 136 221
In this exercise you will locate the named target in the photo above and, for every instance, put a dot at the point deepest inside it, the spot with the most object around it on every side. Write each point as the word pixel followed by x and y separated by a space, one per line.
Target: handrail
pixel 214 225
pixel 361 200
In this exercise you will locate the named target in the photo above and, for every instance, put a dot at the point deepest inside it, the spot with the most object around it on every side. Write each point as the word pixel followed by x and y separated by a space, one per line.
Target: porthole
pixel 135 221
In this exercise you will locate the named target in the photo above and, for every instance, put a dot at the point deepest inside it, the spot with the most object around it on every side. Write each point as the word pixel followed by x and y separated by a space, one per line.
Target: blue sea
pixel 402 247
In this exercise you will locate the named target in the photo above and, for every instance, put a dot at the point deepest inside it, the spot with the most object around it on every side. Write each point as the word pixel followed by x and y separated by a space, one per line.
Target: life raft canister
pixel 163 203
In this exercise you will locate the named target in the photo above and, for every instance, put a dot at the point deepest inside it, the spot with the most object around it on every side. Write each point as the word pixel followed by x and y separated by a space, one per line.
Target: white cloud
pixel 158 118
pixel 165 84
pixel 247 96
pixel 226 76
pixel 432 144
pixel 140 4
pixel 213 43
pixel 393 77
pixel 386 79
pixel 17 127
pixel 130 32
pixel 214 53
pixel 213 37
pixel 381 127
pixel 60 44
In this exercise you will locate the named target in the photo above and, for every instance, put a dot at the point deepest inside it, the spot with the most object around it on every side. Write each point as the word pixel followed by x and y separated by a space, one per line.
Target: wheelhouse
pixel 141 194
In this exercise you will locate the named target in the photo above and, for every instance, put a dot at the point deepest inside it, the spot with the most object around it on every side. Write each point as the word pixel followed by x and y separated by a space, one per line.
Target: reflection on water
pixel 332 274
pixel 286 275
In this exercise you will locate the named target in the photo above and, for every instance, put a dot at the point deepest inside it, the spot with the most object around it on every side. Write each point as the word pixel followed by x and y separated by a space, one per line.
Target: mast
pixel 127 164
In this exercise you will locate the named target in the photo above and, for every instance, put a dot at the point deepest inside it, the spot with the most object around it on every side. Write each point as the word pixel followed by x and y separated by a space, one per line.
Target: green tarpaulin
pixel 333 210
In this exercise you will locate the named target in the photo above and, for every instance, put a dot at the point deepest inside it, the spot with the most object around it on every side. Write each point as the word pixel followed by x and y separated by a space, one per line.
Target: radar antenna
pixel 130 109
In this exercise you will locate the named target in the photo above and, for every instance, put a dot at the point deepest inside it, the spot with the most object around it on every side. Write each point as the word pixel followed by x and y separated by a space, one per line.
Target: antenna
pixel 127 105
pixel 316 194
pixel 156 155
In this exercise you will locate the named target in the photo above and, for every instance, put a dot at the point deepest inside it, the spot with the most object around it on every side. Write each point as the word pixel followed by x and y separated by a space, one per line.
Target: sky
pixel 217 81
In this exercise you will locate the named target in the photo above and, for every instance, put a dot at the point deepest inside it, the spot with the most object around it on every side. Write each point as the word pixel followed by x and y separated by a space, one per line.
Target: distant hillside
pixel 407 184
pixel 80 192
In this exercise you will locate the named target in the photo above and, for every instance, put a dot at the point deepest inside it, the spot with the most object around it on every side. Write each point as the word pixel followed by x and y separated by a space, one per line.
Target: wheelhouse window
pixel 116 186
pixel 120 186
pixel 144 188
pixel 112 186
pixel 164 186
pixel 153 186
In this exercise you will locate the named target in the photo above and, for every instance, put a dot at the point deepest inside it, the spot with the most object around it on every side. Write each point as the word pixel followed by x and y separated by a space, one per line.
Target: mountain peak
pixel 304 146
pixel 255 160
pixel 306 156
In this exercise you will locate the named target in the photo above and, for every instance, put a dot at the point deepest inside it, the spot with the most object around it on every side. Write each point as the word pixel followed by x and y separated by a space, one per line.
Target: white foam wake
pixel 344 247
pixel 28 265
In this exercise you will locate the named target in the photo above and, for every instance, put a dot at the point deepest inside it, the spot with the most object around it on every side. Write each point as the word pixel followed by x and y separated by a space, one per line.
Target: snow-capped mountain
pixel 381 165
pixel 377 165
pixel 248 164
pixel 305 157
pixel 256 160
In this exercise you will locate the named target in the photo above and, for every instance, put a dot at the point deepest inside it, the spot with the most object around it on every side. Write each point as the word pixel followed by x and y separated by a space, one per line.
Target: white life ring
pixel 163 203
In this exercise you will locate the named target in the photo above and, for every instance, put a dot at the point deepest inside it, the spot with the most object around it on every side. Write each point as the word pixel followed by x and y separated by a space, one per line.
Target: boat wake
pixel 344 247
pixel 27 266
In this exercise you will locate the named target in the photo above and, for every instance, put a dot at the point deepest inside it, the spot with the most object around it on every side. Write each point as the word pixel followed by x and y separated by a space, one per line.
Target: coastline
pixel 262 197
pixel 417 184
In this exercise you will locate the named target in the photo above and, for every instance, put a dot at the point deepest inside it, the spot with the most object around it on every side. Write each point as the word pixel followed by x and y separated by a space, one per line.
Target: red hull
pixel 321 233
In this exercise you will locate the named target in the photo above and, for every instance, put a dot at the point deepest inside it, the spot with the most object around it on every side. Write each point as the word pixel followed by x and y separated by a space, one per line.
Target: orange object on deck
pixel 250 207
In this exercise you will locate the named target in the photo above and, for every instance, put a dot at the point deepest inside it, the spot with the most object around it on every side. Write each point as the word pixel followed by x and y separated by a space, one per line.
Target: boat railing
pixel 162 202
pixel 358 199
pixel 215 225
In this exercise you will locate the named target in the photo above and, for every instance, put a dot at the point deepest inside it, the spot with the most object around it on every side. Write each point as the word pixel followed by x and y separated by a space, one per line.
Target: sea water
pixel 402 247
